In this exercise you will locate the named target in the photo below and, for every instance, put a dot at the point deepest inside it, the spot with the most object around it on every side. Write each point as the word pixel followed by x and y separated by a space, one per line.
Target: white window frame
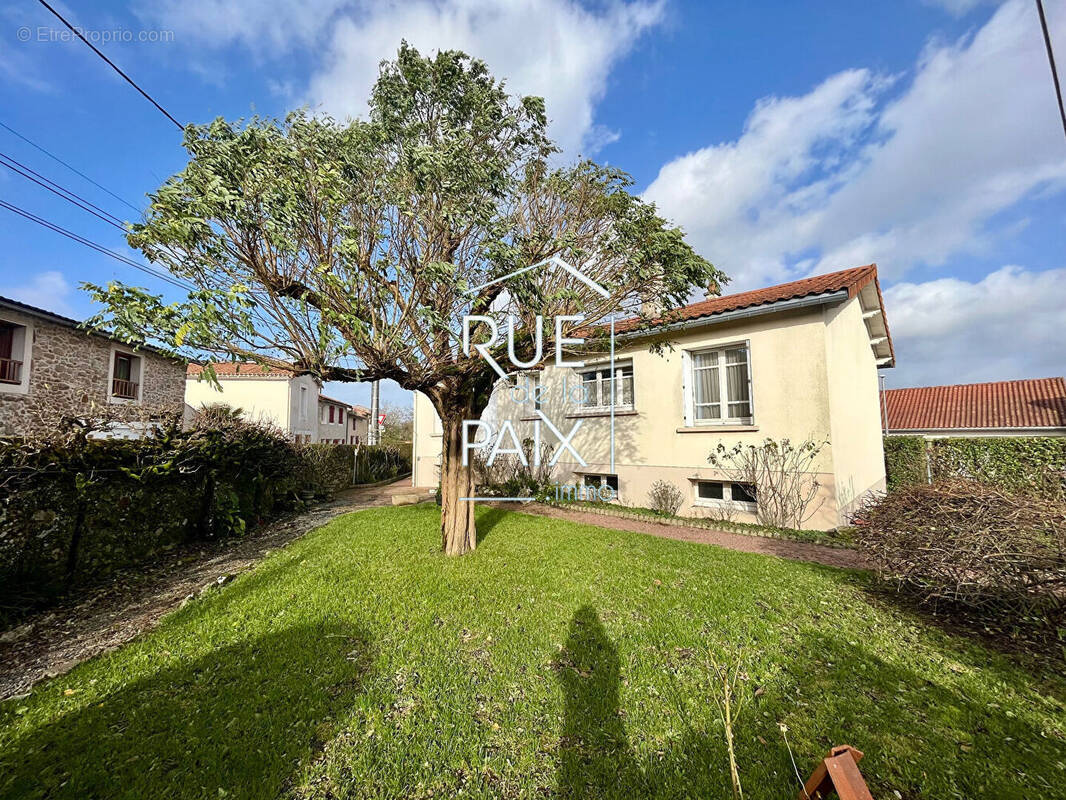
pixel 727 496
pixel 689 368
pixel 137 364
pixel 601 368
pixel 26 356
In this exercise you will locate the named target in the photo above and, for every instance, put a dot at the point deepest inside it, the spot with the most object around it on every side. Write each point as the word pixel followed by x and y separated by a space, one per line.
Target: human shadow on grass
pixel 830 692
pixel 234 723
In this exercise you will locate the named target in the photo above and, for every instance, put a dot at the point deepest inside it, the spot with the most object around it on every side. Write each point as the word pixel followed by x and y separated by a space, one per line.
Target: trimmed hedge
pixel 904 461
pixel 1033 465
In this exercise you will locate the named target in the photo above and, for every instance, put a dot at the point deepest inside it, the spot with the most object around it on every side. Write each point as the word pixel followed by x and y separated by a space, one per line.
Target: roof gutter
pixel 830 298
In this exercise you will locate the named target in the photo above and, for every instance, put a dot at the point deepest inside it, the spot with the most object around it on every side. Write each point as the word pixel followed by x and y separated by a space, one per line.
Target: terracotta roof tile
pixel 852 280
pixel 1036 403
pixel 240 369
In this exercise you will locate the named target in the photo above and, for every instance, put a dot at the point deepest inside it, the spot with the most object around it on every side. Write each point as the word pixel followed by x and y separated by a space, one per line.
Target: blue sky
pixel 786 138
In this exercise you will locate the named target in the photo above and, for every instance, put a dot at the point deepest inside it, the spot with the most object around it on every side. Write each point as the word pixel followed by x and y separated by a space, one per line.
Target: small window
pixel 743 492
pixel 719 386
pixel 12 338
pixel 710 493
pixel 711 490
pixel 340 414
pixel 534 388
pixel 598 481
pixel 599 385
pixel 125 376
pixel 331 413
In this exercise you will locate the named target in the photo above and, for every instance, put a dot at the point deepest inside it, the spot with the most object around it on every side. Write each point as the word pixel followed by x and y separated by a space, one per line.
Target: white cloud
pixel 558 49
pixel 1007 325
pixel 48 290
pixel 838 177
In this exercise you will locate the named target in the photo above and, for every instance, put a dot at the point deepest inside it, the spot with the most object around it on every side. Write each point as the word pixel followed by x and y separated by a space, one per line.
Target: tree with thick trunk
pixel 351 251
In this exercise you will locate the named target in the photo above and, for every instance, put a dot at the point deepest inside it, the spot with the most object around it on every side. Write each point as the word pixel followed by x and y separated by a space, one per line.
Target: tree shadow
pixel 235 723
pixel 487 520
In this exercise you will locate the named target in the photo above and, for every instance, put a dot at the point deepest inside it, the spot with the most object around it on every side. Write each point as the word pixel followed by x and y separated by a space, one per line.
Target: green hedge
pixel 87 507
pixel 381 462
pixel 1028 465
pixel 904 461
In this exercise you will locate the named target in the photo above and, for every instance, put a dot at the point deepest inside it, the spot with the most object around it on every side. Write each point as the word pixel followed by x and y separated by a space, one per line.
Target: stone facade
pixel 70 373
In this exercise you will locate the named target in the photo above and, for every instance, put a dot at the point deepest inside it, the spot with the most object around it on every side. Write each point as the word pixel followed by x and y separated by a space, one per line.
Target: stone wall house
pixel 50 369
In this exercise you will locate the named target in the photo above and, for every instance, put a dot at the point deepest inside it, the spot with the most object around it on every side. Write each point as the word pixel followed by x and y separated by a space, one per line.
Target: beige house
pixel 50 368
pixel 333 420
pixel 277 397
pixel 293 403
pixel 796 361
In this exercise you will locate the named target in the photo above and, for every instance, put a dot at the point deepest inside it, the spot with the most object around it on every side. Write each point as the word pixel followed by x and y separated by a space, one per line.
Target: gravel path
pixel 104 617
pixel 783 548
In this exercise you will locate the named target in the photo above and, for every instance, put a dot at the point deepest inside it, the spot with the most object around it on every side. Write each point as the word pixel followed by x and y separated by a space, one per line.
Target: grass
pixel 556 660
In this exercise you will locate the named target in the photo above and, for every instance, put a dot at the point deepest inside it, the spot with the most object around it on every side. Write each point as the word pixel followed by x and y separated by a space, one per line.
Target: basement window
pixel 716 493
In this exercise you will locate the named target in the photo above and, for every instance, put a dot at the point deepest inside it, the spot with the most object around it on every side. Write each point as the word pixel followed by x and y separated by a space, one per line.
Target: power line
pixel 73 169
pixel 112 64
pixel 66 194
pixel 97 247
pixel 1051 61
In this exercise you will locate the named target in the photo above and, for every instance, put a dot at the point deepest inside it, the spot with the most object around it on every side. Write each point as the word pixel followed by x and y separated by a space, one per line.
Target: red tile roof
pixel 1037 403
pixel 361 411
pixel 239 369
pixel 853 280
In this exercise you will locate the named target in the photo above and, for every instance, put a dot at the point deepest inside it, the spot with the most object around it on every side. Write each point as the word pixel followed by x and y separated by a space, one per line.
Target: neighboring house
pixel 796 361
pixel 332 420
pixel 1035 407
pixel 51 368
pixel 358 424
pixel 264 394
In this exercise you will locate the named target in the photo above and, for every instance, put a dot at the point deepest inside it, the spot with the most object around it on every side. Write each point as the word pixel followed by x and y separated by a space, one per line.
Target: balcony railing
pixel 10 371
pixel 127 390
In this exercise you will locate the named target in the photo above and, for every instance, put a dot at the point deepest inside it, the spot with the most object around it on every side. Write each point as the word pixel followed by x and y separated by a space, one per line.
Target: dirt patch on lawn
pixel 100 618
pixel 783 548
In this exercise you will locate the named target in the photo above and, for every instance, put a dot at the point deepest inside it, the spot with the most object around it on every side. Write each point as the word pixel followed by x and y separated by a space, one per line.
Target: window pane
pixel 710 490
pixel 709 411
pixel 590 389
pixel 612 481
pixel 739 410
pixel 593 481
pixel 706 385
pixel 737 383
pixel 743 492
pixel 737 355
pixel 627 390
pixel 705 360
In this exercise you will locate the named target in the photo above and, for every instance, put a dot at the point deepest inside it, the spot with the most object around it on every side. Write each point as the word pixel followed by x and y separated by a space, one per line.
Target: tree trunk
pixel 457 527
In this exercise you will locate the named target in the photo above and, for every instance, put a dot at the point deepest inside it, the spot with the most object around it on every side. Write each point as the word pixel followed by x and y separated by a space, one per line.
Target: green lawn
pixel 557 659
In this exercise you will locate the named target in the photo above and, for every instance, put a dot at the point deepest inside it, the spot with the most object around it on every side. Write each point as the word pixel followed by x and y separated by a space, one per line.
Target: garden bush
pixel 993 554
pixel 380 462
pixel 665 498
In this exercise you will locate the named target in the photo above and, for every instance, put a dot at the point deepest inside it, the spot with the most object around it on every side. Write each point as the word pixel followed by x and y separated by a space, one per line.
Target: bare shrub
pixel 970 545
pixel 665 498
pixel 779 473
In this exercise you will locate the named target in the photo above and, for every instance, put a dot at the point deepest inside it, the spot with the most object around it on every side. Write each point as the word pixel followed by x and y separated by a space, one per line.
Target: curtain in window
pixel 122 368
pixel 707 394
pixel 737 383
